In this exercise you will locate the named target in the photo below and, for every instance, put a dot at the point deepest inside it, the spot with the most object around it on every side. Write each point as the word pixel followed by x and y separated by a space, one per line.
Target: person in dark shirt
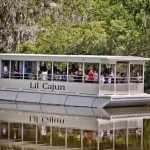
pixel 43 67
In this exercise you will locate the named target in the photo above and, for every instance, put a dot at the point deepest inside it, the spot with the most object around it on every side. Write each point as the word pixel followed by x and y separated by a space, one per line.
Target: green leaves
pixel 95 27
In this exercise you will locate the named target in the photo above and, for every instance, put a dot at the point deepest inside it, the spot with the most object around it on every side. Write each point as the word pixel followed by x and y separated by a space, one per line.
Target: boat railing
pixel 122 88
pixel 107 85
pixel 73 78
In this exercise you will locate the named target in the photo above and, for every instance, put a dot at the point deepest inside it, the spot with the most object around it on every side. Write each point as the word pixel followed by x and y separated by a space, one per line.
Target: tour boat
pixel 73 80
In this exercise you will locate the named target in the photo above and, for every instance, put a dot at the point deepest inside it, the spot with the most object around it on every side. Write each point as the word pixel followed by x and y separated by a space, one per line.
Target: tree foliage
pixel 109 27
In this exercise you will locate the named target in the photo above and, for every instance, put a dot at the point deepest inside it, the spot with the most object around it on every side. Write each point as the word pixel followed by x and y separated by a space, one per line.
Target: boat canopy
pixel 72 58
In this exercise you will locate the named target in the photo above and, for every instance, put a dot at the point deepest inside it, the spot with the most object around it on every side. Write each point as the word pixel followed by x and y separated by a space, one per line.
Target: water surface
pixel 23 128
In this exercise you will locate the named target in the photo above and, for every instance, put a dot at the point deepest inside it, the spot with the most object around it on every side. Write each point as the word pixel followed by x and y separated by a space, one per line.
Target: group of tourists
pixel 75 74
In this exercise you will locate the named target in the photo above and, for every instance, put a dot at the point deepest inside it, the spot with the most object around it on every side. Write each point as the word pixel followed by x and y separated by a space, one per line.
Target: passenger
pixel 44 75
pixel 49 74
pixel 106 70
pixel 91 76
pixel 95 76
pixel 101 79
pixel 43 67
pixel 64 76
pixel 138 78
pixel 6 73
pixel 106 78
pixel 57 76
pixel 123 79
pixel 26 72
pixel 20 68
pixel 39 75
pixel 16 73
pixel 112 75
pixel 109 79
pixel 76 76
pixel 87 70
pixel 71 77
pixel 80 67
pixel 112 72
pixel 34 75
pixel 31 75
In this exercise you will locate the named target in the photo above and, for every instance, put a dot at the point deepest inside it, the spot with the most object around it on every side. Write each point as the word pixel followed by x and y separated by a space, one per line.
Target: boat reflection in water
pixel 29 126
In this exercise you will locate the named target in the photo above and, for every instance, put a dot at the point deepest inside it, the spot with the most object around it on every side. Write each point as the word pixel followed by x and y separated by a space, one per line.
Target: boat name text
pixel 47 86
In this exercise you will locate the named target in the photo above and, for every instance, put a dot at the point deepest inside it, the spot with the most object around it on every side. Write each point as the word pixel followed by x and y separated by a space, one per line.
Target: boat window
pixel 4 130
pixel 15 70
pixel 89 139
pixel 16 131
pixel 60 71
pixel 91 73
pixel 108 74
pixel 58 136
pixel 122 72
pixel 45 70
pixel 5 67
pixel 75 136
pixel 136 73
pixel 44 133
pixel 75 72
pixel 120 137
pixel 29 133
pixel 23 70
pixel 30 70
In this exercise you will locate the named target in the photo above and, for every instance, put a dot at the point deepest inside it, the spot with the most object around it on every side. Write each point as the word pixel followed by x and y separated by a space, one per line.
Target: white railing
pixel 108 86
pixel 121 88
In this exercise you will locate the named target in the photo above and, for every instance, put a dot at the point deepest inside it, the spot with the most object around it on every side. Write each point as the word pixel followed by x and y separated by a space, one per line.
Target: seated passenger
pixel 49 74
pixel 109 78
pixel 91 76
pixel 123 79
pixel 6 73
pixel 44 75
pixel 106 70
pixel 26 72
pixel 64 76
pixel 31 75
pixel 76 77
pixel 138 78
pixel 87 70
pixel 57 76
pixel 43 67
pixel 101 78
pixel 71 77
pixel 39 75
pixel 16 73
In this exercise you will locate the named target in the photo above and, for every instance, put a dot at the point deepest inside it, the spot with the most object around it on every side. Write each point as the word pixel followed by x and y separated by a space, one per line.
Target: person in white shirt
pixel 109 78
pixel 101 78
pixel 6 71
pixel 44 75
